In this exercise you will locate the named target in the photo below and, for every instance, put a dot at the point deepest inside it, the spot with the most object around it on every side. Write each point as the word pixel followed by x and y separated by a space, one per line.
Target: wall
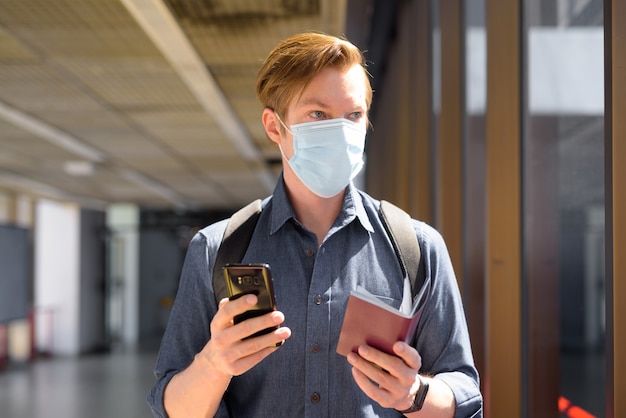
pixel 56 278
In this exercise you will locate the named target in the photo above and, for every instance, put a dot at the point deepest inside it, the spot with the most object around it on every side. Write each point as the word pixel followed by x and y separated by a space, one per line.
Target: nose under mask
pixel 327 154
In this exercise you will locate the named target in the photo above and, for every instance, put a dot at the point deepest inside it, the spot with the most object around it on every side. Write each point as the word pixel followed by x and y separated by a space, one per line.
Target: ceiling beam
pixel 50 133
pixel 15 181
pixel 64 140
pixel 161 27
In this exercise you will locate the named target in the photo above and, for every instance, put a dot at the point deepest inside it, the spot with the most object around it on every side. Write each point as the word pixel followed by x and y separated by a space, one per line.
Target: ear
pixel 272 125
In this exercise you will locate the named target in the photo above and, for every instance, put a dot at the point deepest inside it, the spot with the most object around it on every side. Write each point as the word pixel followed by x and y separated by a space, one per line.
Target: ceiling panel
pixel 153 99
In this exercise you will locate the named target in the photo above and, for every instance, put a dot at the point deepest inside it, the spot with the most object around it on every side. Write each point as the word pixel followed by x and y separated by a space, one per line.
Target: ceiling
pixel 144 101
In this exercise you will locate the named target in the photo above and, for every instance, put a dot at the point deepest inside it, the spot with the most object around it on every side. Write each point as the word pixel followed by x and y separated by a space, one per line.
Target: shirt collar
pixel 282 211
pixel 353 207
pixel 281 207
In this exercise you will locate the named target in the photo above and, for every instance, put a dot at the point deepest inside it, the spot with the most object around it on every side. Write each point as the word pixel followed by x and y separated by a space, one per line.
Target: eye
pixel 317 114
pixel 355 116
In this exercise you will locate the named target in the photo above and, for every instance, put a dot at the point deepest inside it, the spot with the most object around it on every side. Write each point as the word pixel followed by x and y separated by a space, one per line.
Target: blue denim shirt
pixel 306 377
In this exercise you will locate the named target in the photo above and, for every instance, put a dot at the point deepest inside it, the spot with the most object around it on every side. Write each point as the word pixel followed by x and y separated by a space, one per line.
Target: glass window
pixel 474 168
pixel 564 191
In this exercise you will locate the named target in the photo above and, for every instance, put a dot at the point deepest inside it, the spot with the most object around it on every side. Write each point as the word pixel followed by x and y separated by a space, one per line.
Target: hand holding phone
pixel 245 279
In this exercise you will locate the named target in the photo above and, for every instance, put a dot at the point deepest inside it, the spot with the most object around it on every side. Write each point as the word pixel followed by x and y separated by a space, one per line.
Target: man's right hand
pixel 227 351
pixel 198 390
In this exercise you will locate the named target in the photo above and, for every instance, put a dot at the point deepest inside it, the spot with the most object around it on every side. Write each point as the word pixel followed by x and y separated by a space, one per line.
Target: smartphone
pixel 244 279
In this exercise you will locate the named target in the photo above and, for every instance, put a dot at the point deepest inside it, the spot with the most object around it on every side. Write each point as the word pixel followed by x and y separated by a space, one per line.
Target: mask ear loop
pixel 288 130
pixel 282 123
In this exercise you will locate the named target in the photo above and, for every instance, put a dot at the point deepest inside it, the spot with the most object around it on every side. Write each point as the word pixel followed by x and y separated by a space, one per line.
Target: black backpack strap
pixel 400 229
pixel 234 243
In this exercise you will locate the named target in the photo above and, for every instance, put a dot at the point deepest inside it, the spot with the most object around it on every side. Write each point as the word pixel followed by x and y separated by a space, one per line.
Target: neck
pixel 316 213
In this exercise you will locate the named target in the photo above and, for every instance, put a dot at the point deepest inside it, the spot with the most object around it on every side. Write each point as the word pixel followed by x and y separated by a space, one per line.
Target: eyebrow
pixel 320 103
pixel 314 101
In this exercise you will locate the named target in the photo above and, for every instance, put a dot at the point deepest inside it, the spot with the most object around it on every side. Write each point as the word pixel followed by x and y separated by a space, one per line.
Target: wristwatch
pixel 420 397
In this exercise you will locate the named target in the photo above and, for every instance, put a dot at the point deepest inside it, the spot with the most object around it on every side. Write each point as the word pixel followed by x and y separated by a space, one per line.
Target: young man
pixel 322 238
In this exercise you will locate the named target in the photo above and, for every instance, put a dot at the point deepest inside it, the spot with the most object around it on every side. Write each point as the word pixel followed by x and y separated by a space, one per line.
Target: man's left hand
pixel 390 380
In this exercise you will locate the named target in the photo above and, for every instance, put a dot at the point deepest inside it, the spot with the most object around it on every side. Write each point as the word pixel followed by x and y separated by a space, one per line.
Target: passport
pixel 371 321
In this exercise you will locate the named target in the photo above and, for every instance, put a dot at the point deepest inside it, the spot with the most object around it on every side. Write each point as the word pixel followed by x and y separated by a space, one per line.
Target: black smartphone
pixel 244 279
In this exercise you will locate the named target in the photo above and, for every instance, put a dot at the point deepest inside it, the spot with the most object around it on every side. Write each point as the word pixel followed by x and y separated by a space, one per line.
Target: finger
pixel 274 338
pixel 245 363
pixel 370 388
pixel 235 356
pixel 244 354
pixel 253 325
pixel 374 372
pixel 381 386
pixel 375 392
pixel 408 354
pixel 394 365
pixel 228 309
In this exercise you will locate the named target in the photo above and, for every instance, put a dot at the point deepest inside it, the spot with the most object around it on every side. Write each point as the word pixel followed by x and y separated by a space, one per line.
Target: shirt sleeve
pixel 443 338
pixel 188 328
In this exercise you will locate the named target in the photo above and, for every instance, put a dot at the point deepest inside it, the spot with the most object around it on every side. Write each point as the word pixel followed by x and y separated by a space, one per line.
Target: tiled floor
pixel 115 385
pixel 108 385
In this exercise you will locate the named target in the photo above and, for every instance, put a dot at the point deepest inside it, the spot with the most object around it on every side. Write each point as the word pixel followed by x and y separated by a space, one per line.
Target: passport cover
pixel 370 321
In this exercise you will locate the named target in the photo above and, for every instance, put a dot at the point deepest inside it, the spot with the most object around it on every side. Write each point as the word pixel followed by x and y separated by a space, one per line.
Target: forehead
pixel 336 87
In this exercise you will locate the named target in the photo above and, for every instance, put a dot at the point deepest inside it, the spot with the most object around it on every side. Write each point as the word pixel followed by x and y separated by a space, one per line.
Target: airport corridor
pixel 111 385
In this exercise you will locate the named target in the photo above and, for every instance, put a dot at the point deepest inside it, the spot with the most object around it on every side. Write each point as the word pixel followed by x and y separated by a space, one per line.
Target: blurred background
pixel 127 125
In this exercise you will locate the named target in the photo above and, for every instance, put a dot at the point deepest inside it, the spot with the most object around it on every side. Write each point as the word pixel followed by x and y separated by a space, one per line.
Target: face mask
pixel 327 154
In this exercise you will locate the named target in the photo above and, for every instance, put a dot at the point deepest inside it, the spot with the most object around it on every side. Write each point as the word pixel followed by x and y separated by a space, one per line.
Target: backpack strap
pixel 234 243
pixel 399 227
pixel 396 221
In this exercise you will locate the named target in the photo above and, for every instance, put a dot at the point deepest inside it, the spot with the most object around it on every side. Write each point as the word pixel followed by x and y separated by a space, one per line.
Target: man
pixel 322 238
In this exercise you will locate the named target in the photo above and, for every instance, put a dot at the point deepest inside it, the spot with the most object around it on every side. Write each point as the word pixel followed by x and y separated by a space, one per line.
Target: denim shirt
pixel 305 377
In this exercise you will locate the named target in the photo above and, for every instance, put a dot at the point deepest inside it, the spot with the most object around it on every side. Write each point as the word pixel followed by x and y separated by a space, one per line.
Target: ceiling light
pixel 79 168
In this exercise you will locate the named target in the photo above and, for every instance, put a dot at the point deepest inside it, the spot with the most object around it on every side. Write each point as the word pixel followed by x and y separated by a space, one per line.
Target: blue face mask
pixel 327 154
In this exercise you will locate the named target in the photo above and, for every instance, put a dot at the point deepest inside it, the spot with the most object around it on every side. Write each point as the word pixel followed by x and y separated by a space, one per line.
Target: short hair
pixel 292 64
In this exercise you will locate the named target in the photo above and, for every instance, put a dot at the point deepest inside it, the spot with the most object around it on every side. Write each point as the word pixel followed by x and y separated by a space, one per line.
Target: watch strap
pixel 420 397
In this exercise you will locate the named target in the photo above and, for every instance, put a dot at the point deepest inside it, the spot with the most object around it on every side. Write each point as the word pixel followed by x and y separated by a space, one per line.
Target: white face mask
pixel 327 154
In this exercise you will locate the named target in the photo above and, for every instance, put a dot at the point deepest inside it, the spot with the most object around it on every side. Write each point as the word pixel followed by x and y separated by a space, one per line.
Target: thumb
pixel 409 354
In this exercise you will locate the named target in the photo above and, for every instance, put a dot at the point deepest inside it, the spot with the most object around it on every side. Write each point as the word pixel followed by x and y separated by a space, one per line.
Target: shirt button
pixel 317 299
pixel 316 348
pixel 310 252
pixel 315 397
